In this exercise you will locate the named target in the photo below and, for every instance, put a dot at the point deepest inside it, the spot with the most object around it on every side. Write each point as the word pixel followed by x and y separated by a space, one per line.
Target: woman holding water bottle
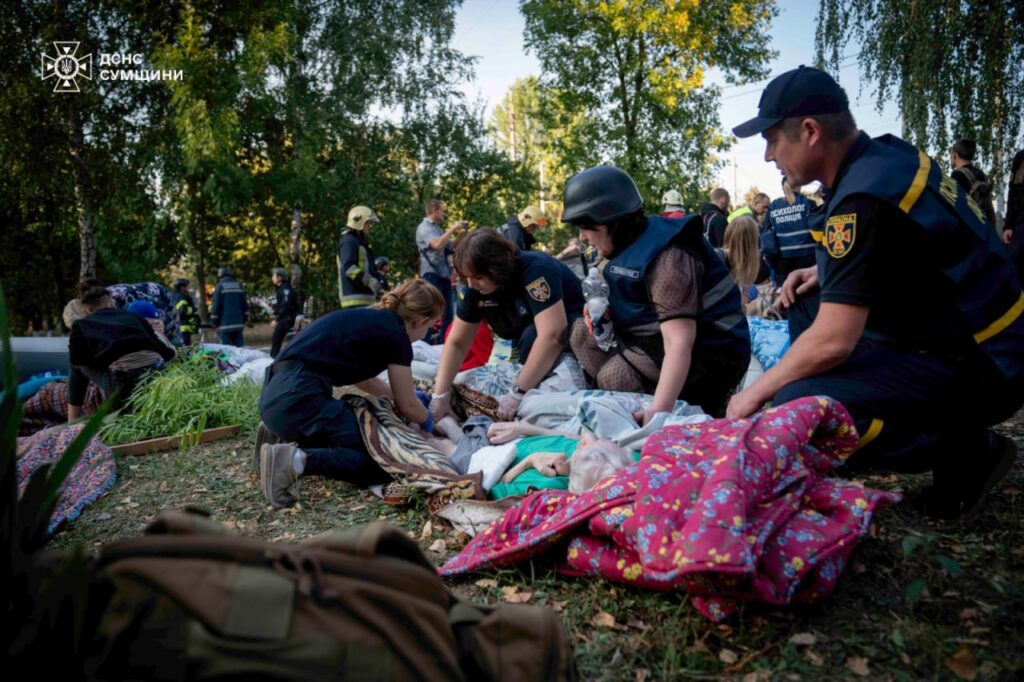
pixel 673 308
pixel 525 296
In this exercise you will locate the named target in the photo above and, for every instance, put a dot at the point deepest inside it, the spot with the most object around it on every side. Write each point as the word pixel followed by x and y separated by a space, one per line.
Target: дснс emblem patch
pixel 840 233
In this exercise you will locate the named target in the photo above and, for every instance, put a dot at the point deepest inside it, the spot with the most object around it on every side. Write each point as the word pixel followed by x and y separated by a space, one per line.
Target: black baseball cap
pixel 804 91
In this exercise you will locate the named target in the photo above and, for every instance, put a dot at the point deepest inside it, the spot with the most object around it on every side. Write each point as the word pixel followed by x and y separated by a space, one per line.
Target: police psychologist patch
pixel 539 290
pixel 840 232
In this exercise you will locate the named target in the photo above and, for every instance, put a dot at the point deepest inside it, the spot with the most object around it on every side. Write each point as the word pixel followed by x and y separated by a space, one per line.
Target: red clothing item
pixel 480 352
pixel 673 214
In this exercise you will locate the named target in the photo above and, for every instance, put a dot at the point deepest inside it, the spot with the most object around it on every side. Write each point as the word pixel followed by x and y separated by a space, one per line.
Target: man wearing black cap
pixel 922 376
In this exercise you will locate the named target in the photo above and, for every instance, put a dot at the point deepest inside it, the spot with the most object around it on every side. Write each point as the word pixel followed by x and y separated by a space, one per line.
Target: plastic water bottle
pixel 595 292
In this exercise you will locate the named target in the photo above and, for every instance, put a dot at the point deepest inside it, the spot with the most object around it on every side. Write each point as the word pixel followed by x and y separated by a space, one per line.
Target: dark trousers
pixel 444 285
pixel 232 337
pixel 186 338
pixel 121 382
pixel 297 406
pixel 281 330
pixel 915 411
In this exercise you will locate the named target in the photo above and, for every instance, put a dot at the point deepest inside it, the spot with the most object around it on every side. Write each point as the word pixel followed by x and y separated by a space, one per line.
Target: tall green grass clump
pixel 183 400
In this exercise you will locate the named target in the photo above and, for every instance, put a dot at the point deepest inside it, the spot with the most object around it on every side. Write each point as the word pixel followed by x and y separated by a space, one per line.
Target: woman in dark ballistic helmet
pixel 675 308
pixel 526 296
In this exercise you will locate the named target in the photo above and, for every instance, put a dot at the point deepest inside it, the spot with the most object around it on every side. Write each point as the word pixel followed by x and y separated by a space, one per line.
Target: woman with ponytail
pixel 344 348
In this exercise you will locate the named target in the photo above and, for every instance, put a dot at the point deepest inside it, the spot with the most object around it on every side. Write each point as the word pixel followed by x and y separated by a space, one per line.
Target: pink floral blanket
pixel 725 510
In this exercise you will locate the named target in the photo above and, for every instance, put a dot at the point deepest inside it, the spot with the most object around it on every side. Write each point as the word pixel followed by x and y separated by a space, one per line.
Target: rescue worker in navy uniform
pixel 526 296
pixel 675 309
pixel 923 376
pixel 359 283
pixel 519 228
pixel 286 308
pixel 183 302
pixel 229 308
pixel 342 348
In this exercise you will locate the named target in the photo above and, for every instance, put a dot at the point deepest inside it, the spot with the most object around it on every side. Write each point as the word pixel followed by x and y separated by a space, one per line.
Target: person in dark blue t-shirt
pixel 526 296
pixel 346 347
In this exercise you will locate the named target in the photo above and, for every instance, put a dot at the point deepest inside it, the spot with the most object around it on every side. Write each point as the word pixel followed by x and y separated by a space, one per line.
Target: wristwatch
pixel 516 390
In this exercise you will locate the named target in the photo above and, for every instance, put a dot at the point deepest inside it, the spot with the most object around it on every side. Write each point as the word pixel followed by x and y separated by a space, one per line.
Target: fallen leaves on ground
pixel 486 582
pixel 438 546
pixel 964 663
pixel 603 619
pixel 728 656
pixel 858 665
pixel 512 595
pixel 803 639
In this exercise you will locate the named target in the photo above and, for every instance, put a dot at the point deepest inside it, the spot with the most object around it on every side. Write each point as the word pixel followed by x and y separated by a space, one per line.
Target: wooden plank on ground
pixel 144 447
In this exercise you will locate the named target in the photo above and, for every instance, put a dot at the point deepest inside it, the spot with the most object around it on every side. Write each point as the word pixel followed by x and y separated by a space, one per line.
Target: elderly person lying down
pixel 542 458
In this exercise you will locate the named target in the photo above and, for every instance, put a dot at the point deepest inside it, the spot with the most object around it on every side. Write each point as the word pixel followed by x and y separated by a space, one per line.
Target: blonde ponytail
pixel 413 300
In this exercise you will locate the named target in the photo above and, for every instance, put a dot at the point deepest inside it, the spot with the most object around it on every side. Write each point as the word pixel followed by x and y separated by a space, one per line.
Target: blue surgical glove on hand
pixel 428 425
pixel 423 397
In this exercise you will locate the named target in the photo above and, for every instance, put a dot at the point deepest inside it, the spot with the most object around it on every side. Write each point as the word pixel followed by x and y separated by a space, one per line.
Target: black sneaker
pixel 963 496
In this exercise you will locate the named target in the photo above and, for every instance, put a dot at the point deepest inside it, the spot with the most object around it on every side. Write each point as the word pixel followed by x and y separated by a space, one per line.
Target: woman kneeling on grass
pixel 343 348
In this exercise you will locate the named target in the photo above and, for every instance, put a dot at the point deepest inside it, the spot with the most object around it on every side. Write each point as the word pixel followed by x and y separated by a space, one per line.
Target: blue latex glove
pixel 423 397
pixel 428 425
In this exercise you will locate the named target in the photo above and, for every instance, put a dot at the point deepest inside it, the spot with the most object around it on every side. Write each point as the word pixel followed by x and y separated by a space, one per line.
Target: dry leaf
pixel 803 639
pixel 603 619
pixel 509 589
pixel 640 675
pixel 963 663
pixel 728 656
pixel 438 546
pixel 428 530
pixel 557 606
pixel 518 597
pixel 858 666
pixel 358 507
pixel 969 613
pixel 638 624
pixel 486 582
pixel 814 658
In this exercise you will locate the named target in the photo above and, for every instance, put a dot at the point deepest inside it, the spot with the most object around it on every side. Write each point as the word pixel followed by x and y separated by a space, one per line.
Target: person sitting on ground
pixel 675 309
pixel 342 348
pixel 742 255
pixel 525 296
pixel 112 348
pixel 672 204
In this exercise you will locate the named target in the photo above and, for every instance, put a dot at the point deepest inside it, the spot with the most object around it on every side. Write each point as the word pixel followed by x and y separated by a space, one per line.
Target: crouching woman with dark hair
pixel 525 296
pixel 675 308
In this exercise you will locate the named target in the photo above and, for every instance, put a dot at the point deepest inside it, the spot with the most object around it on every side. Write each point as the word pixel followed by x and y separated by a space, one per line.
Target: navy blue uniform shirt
pixel 349 346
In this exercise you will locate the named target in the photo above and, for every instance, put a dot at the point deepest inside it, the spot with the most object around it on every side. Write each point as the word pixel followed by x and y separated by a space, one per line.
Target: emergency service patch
pixel 840 232
pixel 539 290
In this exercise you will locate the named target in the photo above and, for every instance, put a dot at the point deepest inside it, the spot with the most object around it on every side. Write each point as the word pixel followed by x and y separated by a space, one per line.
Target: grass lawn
pixel 920 599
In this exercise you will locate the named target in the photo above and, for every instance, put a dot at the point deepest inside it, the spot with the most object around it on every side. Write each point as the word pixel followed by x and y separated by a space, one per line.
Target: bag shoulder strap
pixel 375 539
